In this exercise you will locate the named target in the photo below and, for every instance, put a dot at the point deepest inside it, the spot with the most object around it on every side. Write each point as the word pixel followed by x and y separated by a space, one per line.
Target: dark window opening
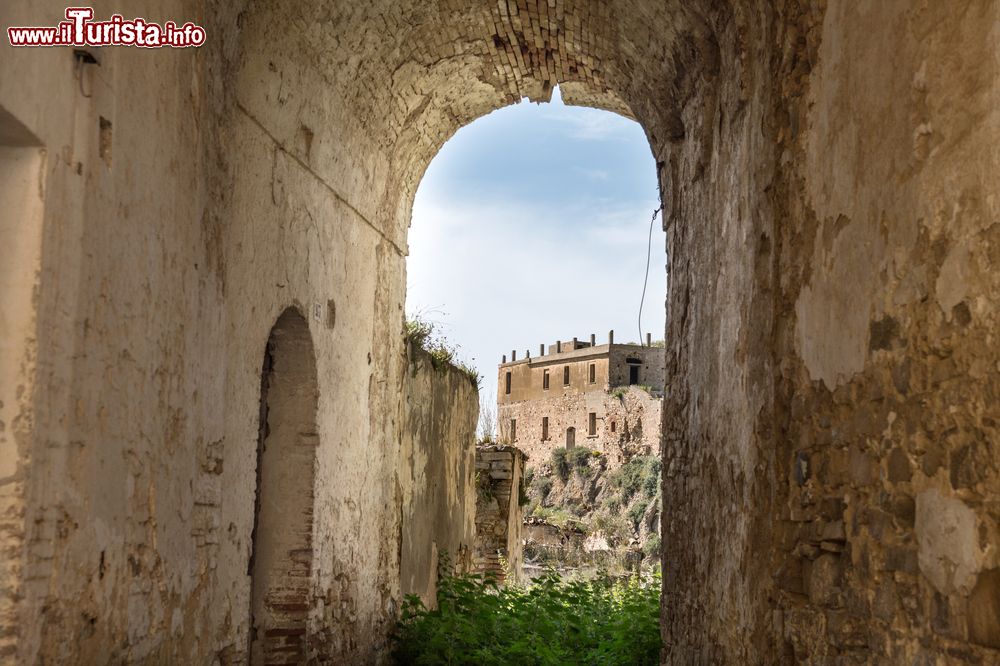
pixel 612 426
pixel 593 373
pixel 506 389
pixel 592 424
pixel 566 376
pixel 545 428
pixel 545 381
pixel 633 375
pixel 513 430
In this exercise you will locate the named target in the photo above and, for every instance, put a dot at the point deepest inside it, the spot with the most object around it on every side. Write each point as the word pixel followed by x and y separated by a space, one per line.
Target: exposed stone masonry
pixel 499 520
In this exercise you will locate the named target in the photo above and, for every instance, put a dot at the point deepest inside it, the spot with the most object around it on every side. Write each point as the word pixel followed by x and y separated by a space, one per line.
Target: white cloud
pixel 584 124
pixel 502 275
pixel 593 174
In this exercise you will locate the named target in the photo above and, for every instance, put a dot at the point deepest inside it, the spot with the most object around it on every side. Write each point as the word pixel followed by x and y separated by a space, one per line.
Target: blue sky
pixel 531 225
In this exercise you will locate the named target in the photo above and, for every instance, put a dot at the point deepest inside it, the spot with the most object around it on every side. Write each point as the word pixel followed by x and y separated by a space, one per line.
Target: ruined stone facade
pixel 606 398
pixel 828 174
pixel 499 519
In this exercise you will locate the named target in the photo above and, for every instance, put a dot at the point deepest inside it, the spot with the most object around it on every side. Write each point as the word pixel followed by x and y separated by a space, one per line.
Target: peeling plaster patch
pixel 946 535
pixel 956 275
pixel 832 323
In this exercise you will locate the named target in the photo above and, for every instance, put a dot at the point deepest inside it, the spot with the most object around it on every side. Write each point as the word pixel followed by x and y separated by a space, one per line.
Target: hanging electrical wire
pixel 645 281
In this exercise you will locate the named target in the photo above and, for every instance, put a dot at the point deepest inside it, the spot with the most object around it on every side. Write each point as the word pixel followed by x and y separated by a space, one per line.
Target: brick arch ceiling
pixel 412 72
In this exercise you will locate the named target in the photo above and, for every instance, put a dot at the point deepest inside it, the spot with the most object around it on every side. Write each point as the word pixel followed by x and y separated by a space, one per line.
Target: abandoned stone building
pixel 605 397
pixel 204 249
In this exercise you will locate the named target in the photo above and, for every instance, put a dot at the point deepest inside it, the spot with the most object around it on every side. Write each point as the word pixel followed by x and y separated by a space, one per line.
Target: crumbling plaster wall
pixel 122 422
pixel 888 323
pixel 832 362
pixel 438 459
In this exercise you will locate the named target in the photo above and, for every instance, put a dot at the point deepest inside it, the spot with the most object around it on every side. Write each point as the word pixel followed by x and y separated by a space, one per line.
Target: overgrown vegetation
pixel 422 333
pixel 551 622
pixel 522 493
pixel 556 516
pixel 560 463
pixel 652 546
pixel 541 486
pixel 637 511
pixel 639 473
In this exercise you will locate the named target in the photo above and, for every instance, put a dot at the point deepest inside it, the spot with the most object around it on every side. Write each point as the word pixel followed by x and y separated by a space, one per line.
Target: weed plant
pixel 602 622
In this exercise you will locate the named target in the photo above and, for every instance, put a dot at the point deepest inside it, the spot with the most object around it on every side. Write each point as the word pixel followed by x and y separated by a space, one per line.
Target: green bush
pixel 578 457
pixel 639 473
pixel 560 464
pixel 614 528
pixel 541 486
pixel 548 623
pixel 522 493
pixel 652 546
pixel 651 476
pixel 559 517
pixel 637 511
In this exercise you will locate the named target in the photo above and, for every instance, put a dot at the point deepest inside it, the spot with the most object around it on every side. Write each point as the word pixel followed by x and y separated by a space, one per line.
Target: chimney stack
pixel 527 354
pixel 593 340
pixel 541 349
pixel 649 339
pixel 504 358
pixel 574 344
pixel 513 355
pixel 611 337
pixel 558 346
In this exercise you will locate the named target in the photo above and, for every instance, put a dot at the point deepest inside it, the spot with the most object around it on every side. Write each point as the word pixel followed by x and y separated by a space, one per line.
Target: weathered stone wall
pixel 499 520
pixel 438 458
pixel 110 543
pixel 652 371
pixel 833 285
pixel 888 312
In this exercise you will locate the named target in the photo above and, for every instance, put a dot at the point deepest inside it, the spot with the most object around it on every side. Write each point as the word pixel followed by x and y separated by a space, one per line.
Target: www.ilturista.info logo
pixel 79 30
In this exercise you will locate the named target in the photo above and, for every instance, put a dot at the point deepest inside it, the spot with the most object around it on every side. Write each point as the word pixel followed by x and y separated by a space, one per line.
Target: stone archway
pixel 280 564
pixel 829 211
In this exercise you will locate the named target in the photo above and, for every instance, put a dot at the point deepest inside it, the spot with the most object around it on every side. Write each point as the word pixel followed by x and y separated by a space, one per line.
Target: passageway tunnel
pixel 826 171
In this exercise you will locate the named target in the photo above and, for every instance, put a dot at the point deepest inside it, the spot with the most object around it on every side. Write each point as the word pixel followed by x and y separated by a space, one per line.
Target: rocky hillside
pixel 586 510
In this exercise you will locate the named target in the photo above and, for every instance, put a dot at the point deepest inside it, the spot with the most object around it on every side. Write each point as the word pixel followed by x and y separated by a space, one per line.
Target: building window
pixel 612 426
pixel 545 381
pixel 513 430
pixel 592 424
pixel 506 388
pixel 545 428
pixel 593 373
pixel 633 375
pixel 566 376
